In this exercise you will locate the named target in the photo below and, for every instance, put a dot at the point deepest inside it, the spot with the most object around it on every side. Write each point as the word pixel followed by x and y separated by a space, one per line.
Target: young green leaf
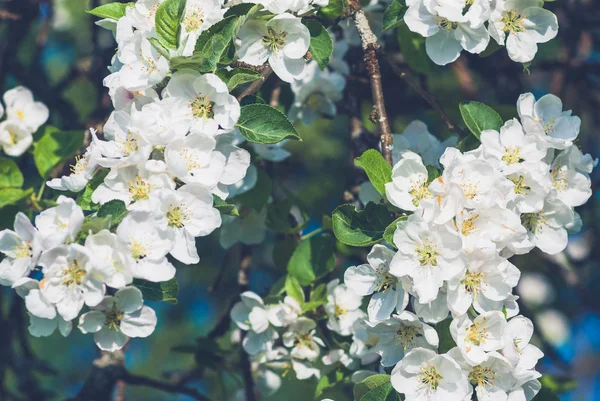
pixel 378 170
pixel 388 234
pixel 166 291
pixel 10 175
pixel 111 10
pixel 313 258
pixel 369 384
pixel 321 45
pixel 334 9
pixel 478 117
pixel 294 289
pixel 393 15
pixel 10 196
pixel 225 208
pixel 115 209
pixel 261 123
pixel 167 19
pixel 213 44
pixel 55 147
pixel 84 200
pixel 360 227
pixel 237 76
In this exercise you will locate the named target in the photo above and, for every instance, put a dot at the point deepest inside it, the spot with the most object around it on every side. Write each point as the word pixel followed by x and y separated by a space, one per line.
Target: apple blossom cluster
pixel 23 117
pixel 453 26
pixel 447 266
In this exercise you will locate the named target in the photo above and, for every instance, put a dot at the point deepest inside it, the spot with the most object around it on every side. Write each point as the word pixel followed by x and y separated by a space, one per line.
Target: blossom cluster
pixel 453 26
pixel 447 267
pixel 23 117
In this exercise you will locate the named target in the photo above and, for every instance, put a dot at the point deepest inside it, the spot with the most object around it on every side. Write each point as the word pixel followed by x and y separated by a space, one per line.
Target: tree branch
pixel 428 97
pixel 135 380
pixel 370 47
pixel 255 86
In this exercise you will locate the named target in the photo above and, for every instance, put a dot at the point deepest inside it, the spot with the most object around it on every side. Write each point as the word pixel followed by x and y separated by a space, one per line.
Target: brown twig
pixel 370 46
pixel 428 97
pixel 7 15
pixel 135 380
pixel 255 86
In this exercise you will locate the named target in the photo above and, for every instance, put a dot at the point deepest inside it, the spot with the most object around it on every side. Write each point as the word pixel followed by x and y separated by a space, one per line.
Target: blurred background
pixel 53 48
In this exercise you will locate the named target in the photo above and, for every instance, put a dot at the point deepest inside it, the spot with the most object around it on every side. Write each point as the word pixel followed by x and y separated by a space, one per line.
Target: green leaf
pixel 283 249
pixel 384 392
pixel 392 17
pixel 321 45
pixel 257 197
pixel 312 259
pixel 160 48
pixel 412 47
pixel 93 224
pixel 388 234
pixel 294 289
pixel 558 384
pixel 237 76
pixel 432 173
pixel 318 297
pixel 378 170
pixel 111 10
pixel 115 209
pixel 240 10
pixel 446 341
pixel 168 17
pixel 369 384
pixel 334 8
pixel 10 175
pixel 225 208
pixel 478 117
pixel 261 123
pixel 360 228
pixel 166 291
pixel 10 196
pixel 55 147
pixel 280 219
pixel 84 200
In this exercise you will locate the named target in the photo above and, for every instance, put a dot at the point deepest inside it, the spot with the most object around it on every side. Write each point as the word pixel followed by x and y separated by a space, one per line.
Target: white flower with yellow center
pixel 570 172
pixel 15 138
pixel 163 121
pixel 410 182
pixel 423 375
pixel 112 256
pixel 522 355
pixel 342 308
pixel 209 104
pixel 187 213
pixel 198 17
pixel 137 186
pixel 21 108
pixel 400 334
pixel 545 117
pixel 302 339
pixel 476 338
pixel 375 278
pixel 118 317
pixel 21 248
pixel 495 227
pixel 488 280
pixel 143 13
pixel 282 41
pixel 82 171
pixel 531 184
pixel 450 27
pixel 148 245
pixel 60 223
pixel 521 25
pixel 429 254
pixel 70 280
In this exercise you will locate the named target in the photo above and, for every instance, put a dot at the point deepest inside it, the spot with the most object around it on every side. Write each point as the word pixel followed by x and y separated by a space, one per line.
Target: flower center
pixel 559 176
pixel 470 190
pixel 427 255
pixel 516 343
pixel 482 376
pixel 384 280
pixel 468 225
pixel 477 334
pixel 23 250
pixel 419 190
pixel 520 187
pixel 12 136
pixel 513 21
pixel 429 377
pixel 202 107
pixel 511 155
pixel 193 19
pixel 472 282
pixel 446 24
pixel 138 250
pixel 176 217
pixel 406 336
pixel 533 222
pixel 113 318
pixel 74 274
pixel 339 311
pixel 274 41
pixel 130 144
pixel 139 189
pixel 80 165
pixel 20 114
pixel 304 340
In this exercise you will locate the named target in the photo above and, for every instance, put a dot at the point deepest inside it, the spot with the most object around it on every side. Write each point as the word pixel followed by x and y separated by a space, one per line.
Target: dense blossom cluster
pixel 172 148
pixel 453 26
pixel 23 117
pixel 448 260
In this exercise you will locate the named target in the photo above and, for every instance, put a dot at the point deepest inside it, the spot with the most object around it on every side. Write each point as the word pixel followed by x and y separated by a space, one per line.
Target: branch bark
pixel 370 46
pixel 255 86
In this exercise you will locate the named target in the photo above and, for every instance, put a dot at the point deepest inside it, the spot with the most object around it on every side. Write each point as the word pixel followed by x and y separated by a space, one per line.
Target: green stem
pixel 312 234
